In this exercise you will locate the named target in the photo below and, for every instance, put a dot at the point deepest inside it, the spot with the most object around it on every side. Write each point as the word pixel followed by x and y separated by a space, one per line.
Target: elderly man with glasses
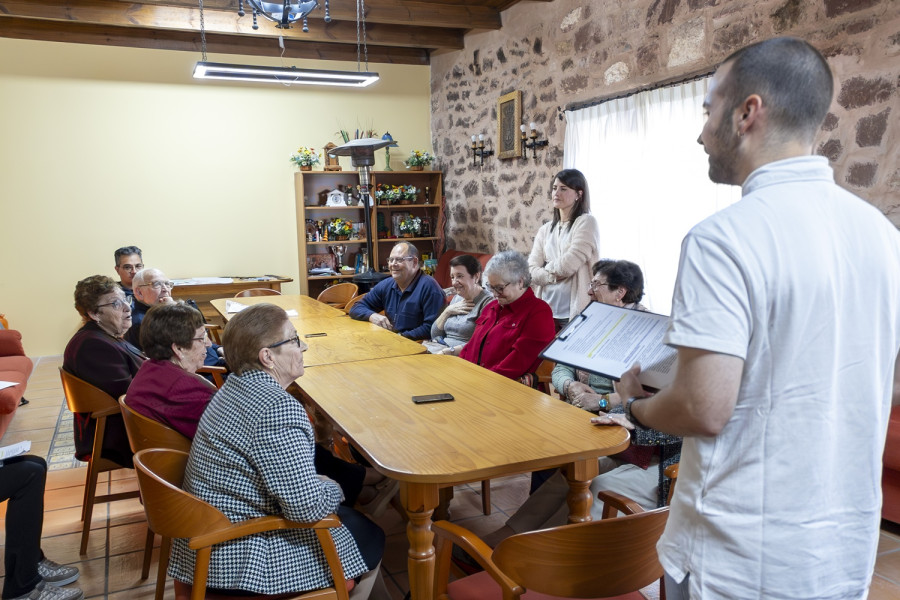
pixel 411 300
pixel 151 286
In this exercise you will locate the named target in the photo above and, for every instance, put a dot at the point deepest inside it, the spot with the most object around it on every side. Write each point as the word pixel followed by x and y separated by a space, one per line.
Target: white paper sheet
pixel 15 449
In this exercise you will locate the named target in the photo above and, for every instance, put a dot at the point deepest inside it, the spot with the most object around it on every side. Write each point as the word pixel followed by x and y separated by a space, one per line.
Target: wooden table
pixel 306 307
pixel 494 427
pixel 202 293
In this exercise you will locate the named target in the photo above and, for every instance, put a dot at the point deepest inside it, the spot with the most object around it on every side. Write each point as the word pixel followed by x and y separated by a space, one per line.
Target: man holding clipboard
pixel 786 320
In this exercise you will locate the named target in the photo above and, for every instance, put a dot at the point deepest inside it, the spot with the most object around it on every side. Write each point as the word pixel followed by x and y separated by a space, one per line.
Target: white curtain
pixel 647 178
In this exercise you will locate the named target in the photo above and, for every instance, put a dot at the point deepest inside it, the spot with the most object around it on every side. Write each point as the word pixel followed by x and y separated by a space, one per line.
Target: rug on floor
pixel 62 448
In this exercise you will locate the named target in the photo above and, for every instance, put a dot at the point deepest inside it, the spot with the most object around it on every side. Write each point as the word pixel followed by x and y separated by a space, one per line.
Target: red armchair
pixel 14 366
pixel 890 476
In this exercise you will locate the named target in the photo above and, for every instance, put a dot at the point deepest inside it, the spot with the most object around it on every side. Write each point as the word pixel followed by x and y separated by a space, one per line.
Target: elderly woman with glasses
pixel 252 456
pixel 515 326
pixel 98 354
pixel 454 326
pixel 167 388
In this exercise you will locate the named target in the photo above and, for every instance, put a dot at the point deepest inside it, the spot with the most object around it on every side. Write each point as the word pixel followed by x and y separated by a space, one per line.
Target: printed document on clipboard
pixel 608 340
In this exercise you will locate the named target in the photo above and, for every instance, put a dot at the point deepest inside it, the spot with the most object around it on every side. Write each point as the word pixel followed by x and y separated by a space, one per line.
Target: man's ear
pixel 750 111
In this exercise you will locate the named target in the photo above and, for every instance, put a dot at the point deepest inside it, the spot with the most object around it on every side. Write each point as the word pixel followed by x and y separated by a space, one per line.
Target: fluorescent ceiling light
pixel 283 75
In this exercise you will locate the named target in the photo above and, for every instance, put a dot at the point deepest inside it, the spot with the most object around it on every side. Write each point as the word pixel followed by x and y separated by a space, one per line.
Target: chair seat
pixel 481 586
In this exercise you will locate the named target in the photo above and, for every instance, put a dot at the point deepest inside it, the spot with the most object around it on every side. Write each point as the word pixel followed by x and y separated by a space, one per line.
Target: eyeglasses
pixel 598 284
pixel 132 268
pixel 158 285
pixel 117 304
pixel 498 289
pixel 296 338
pixel 393 260
pixel 202 338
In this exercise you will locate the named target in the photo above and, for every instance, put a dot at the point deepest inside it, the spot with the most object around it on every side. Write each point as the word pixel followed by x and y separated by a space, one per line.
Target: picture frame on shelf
pixel 320 260
pixel 332 163
pixel 396 218
pixel 509 116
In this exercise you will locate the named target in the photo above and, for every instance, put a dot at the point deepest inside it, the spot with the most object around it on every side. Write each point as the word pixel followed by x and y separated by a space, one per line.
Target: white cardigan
pixel 551 261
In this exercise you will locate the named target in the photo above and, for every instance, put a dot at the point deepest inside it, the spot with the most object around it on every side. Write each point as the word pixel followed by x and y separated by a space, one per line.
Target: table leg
pixel 579 498
pixel 419 500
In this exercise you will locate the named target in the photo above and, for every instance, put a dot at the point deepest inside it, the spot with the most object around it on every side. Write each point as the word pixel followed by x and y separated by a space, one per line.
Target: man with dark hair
pixel 410 299
pixel 786 317
pixel 128 262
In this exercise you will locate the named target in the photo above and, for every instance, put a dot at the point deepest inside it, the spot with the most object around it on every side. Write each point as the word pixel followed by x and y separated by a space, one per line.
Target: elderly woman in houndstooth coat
pixel 252 456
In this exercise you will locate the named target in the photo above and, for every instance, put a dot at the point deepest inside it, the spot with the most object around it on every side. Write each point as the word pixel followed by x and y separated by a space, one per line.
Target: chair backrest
pixel 83 397
pixel 352 301
pixel 144 432
pixel 338 295
pixel 563 561
pixel 257 292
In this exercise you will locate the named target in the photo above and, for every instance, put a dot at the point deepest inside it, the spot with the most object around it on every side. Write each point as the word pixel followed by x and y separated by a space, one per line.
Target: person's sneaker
pixel 48 592
pixel 56 574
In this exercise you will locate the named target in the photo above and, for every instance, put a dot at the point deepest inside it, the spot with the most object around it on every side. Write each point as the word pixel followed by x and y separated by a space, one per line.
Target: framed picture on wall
pixel 509 116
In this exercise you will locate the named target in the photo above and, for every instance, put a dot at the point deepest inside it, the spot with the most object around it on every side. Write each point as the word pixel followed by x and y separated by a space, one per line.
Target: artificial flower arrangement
pixel 408 192
pixel 305 157
pixel 388 193
pixel 339 228
pixel 411 226
pixel 418 158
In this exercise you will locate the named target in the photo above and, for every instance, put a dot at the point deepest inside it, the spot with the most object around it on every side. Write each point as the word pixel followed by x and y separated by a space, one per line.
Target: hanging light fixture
pixel 284 14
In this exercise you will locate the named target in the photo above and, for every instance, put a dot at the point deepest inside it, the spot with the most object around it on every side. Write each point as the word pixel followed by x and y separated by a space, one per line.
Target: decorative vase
pixel 342 237
pixel 407 235
pixel 405 201
pixel 384 202
pixel 417 168
pixel 306 167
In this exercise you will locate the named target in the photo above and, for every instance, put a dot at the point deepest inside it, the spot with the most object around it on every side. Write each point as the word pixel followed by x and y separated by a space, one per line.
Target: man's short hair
pixel 127 251
pixel 791 77
pixel 411 249
pixel 141 277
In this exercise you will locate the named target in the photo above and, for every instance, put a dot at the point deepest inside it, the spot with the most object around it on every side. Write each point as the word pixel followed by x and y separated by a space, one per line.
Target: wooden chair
pixel 214 331
pixel 352 301
pixel 338 295
pixel 174 513
pixel 143 433
pixel 257 292
pixel 672 473
pixel 82 397
pixel 218 374
pixel 597 559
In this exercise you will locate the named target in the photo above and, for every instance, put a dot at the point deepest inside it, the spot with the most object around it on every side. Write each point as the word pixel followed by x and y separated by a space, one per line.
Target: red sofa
pixel 890 476
pixel 14 366
pixel 442 271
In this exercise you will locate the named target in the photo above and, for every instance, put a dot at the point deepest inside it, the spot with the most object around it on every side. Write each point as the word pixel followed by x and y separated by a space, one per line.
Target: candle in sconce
pixel 522 127
pixel 481 137
pixel 473 138
pixel 533 126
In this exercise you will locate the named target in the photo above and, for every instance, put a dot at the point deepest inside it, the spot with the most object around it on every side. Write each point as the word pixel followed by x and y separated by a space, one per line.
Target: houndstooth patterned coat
pixel 253 456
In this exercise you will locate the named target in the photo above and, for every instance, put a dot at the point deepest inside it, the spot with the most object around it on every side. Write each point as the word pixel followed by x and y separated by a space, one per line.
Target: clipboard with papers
pixel 607 340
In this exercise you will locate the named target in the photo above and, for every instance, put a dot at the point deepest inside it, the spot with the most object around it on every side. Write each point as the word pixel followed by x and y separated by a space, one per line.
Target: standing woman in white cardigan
pixel 565 248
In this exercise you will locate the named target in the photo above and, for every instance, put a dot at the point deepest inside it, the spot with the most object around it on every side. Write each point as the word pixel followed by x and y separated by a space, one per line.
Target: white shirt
pixel 801 279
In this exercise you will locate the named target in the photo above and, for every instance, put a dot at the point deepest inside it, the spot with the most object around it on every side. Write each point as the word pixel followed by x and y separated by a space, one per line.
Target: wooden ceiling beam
pixel 135 37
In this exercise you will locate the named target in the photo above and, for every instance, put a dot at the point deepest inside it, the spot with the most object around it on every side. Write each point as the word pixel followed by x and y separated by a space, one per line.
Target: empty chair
pixel 83 397
pixel 174 513
pixel 610 557
pixel 257 292
pixel 352 301
pixel 338 295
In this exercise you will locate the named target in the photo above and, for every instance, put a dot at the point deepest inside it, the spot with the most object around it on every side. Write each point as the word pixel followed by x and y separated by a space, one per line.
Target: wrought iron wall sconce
pixel 478 151
pixel 534 144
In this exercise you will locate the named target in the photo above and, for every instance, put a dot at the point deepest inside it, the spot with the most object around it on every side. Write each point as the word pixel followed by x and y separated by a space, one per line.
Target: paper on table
pixel 202 280
pixel 232 306
pixel 292 313
pixel 15 449
pixel 6 384
pixel 608 340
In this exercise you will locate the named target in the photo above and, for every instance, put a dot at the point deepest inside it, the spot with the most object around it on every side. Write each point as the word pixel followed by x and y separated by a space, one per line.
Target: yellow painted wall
pixel 106 147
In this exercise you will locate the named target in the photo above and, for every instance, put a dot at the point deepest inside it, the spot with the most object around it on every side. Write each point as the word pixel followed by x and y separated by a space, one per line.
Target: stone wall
pixel 569 51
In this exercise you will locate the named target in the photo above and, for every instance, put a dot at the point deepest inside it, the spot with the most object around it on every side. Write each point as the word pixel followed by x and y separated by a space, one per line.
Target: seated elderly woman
pixel 454 326
pixel 98 354
pixel 252 456
pixel 167 387
pixel 511 331
pixel 615 282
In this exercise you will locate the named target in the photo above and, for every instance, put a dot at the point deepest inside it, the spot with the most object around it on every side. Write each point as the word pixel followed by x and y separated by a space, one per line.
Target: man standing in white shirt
pixel 786 317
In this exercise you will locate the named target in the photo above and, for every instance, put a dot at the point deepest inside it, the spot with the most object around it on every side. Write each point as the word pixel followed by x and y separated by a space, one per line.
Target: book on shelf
pixel 607 340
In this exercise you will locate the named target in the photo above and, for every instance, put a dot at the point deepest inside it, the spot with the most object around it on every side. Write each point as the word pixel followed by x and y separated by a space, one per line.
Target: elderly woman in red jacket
pixel 516 326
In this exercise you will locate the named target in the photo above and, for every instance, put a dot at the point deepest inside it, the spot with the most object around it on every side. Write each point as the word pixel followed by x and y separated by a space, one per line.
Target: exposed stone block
pixel 862 174
pixel 830 122
pixel 698 4
pixel 840 7
pixel 616 73
pixel 870 130
pixel 574 84
pixel 572 19
pixel 501 56
pixel 568 64
pixel 664 8
pixel 859 91
pixel 647 57
pixel 733 37
pixel 489 188
pixel 458 212
pixel 452 96
pixel 831 149
pixel 687 43
pixel 537 47
pixel 587 37
pixel 787 15
pixel 861 26
pixel 470 189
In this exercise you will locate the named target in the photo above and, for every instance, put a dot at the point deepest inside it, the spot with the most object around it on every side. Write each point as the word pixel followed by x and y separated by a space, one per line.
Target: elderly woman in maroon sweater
pixel 516 326
pixel 167 388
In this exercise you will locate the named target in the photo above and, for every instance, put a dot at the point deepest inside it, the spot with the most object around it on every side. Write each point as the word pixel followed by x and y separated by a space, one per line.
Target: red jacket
pixel 508 339
pixel 167 393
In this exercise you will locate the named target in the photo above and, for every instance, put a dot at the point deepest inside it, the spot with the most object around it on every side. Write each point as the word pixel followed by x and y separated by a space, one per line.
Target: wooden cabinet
pixel 310 191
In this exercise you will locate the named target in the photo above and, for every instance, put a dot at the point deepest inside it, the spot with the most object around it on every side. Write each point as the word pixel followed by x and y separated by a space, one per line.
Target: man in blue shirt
pixel 411 300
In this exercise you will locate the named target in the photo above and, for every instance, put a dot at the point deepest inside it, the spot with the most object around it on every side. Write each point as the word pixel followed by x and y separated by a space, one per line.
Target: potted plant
pixel 339 229
pixel 408 194
pixel 387 194
pixel 410 227
pixel 418 159
pixel 305 158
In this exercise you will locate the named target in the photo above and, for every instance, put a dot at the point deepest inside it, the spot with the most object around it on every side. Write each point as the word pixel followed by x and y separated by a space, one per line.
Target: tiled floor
pixel 112 566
